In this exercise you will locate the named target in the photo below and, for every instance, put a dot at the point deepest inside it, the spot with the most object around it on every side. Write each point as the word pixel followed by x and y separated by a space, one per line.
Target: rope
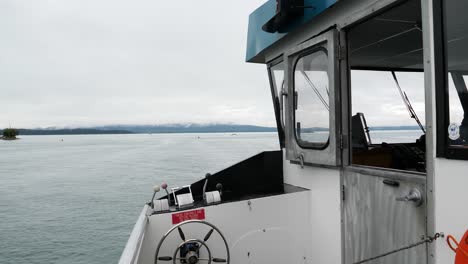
pixel 427 240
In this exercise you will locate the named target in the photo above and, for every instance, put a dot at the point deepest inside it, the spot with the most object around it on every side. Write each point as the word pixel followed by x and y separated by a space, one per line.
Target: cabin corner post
pixel 344 125
pixel 430 98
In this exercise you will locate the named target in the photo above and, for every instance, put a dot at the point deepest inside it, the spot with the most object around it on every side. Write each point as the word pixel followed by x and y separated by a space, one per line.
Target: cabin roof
pixel 259 40
pixel 392 40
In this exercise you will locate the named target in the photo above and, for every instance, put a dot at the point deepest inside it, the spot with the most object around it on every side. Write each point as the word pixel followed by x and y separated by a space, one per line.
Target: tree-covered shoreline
pixel 10 134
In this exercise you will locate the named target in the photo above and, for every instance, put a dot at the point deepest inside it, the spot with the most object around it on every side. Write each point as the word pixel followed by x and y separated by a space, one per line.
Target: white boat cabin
pixel 371 105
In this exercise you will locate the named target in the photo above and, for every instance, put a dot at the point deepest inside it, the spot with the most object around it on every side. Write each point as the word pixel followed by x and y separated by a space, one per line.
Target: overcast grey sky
pixel 70 63
pixel 93 62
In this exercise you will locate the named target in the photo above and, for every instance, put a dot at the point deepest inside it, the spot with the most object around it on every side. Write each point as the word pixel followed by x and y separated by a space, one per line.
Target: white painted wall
pixel 448 179
pixel 271 230
pixel 451 203
pixel 324 209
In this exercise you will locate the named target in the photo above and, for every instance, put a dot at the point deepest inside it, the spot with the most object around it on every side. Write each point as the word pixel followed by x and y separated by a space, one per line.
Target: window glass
pixel 387 90
pixel 376 96
pixel 457 65
pixel 311 100
pixel 456 112
pixel 384 131
pixel 277 75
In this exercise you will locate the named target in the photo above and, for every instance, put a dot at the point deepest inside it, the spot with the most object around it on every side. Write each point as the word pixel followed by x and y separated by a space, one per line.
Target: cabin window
pixel 454 121
pixel 458 121
pixel 311 100
pixel 387 90
pixel 313 93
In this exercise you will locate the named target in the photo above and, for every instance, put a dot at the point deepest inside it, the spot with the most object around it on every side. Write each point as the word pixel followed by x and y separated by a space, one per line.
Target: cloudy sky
pixel 89 62
pixel 70 63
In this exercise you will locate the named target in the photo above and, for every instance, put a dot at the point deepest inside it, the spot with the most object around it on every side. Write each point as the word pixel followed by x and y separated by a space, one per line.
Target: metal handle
pixel 204 186
pixel 414 196
pixel 301 160
pixel 283 93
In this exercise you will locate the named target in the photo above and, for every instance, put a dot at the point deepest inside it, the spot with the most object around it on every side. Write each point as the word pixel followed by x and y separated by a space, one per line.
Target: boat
pixel 337 191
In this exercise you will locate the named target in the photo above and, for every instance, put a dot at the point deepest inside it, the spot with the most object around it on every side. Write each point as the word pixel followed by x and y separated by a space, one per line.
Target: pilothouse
pixel 371 106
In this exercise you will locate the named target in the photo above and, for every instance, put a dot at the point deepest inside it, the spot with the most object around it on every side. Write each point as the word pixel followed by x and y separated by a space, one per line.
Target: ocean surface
pixel 75 199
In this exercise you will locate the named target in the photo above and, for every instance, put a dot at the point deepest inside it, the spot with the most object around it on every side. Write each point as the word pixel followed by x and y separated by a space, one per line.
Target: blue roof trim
pixel 258 40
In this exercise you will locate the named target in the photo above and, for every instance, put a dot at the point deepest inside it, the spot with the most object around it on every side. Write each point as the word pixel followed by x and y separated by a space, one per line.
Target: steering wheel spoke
pixel 181 233
pixel 204 259
pixel 216 260
pixel 208 235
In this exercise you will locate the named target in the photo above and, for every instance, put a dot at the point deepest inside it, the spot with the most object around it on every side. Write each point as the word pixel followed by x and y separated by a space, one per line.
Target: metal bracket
pixel 301 160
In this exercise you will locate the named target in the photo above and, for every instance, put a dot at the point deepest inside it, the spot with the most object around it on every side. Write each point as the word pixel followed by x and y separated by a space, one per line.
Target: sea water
pixel 75 199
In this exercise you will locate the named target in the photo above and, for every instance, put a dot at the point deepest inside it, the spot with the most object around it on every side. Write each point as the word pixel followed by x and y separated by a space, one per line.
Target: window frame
pixel 330 155
pixel 443 148
pixel 300 142
pixel 280 123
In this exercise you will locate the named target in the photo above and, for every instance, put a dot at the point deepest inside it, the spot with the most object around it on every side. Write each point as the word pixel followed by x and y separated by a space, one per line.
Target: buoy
pixel 460 249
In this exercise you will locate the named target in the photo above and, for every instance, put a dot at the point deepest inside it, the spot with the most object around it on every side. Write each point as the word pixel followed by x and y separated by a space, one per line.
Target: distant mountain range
pixel 395 128
pixel 173 128
pixel 147 129
pixel 71 131
pixel 188 128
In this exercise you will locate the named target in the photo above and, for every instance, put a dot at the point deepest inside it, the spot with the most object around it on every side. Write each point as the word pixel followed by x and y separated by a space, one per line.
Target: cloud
pixel 376 95
pixel 99 62
pixel 87 62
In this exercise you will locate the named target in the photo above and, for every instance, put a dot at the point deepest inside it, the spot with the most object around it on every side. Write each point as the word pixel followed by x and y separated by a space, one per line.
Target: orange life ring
pixel 460 249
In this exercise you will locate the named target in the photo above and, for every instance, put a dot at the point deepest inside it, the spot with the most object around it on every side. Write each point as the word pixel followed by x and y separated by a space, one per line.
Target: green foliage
pixel 10 133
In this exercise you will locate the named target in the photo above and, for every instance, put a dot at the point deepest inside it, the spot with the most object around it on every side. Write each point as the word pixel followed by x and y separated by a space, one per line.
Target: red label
pixel 188 215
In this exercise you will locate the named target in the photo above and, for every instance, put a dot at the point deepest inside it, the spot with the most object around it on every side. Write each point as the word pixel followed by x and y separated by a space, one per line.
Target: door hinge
pixel 341 52
pixel 342 192
pixel 343 141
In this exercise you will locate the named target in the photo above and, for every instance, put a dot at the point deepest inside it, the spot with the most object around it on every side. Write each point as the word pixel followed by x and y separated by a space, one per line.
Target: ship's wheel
pixel 189 248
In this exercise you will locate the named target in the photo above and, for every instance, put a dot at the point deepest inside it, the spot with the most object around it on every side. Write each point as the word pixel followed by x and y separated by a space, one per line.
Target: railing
pixel 132 249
